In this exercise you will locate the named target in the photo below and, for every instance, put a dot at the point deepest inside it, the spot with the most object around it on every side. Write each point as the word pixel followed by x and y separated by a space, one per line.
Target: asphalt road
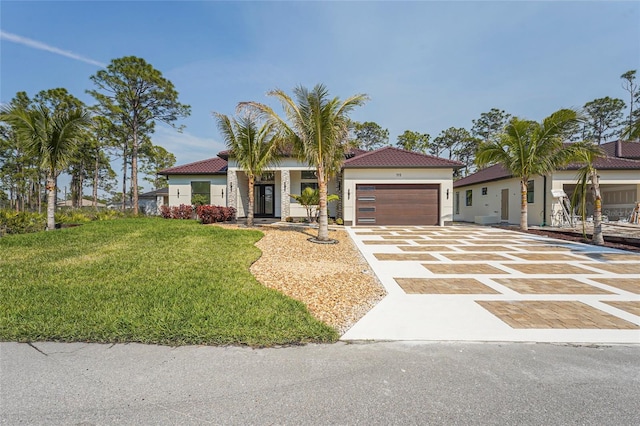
pixel 367 383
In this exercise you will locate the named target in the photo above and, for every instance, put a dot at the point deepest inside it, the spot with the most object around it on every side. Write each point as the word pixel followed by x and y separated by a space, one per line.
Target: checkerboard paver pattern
pixel 549 286
pixel 443 286
pixel 515 270
pixel 404 256
pixel 553 314
pixel 631 285
pixel 633 307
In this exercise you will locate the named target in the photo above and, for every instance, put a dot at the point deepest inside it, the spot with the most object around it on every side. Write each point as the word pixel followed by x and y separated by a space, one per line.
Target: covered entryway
pixel 397 204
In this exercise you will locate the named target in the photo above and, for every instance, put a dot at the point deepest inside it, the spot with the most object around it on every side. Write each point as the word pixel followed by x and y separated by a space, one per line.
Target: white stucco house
pixel 492 195
pixel 388 186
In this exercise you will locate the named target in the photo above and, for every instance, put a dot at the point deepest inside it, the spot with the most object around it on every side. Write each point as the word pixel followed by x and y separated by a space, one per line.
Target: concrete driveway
pixel 472 283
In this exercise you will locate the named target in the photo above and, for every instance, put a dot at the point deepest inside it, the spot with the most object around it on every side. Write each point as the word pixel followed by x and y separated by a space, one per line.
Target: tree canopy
pixel 134 96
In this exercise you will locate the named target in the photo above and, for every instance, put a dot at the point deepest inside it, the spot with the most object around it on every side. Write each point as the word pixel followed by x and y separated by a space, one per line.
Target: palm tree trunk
pixel 323 222
pixel 597 238
pixel 524 226
pixel 252 184
pixel 51 202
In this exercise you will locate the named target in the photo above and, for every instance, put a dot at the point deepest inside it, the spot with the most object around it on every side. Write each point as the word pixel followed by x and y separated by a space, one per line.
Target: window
pixel 530 188
pixel 201 190
pixel 312 185
pixel 308 180
pixel 484 190
pixel 469 195
pixel 266 177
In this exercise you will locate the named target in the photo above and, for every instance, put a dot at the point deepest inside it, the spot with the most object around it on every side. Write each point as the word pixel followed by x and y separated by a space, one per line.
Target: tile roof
pixel 155 193
pixel 622 149
pixel 497 172
pixel 288 152
pixel 395 157
pixel 489 174
pixel 210 166
pixel 610 163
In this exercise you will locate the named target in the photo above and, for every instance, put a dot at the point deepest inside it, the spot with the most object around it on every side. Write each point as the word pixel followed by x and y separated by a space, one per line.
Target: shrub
pixel 288 219
pixel 108 214
pixel 73 216
pixel 212 214
pixel 12 222
pixel 183 211
pixel 339 221
pixel 165 212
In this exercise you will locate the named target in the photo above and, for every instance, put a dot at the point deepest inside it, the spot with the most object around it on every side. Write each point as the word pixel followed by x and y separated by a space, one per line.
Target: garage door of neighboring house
pixel 397 204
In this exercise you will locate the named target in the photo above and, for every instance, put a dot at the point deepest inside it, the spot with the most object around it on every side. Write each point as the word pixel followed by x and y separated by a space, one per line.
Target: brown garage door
pixel 397 204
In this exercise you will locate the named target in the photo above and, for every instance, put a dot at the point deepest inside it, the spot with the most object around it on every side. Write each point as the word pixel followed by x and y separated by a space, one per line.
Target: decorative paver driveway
pixel 488 284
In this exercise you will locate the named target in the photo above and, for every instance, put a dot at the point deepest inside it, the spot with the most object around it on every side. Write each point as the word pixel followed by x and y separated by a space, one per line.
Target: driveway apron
pixel 473 283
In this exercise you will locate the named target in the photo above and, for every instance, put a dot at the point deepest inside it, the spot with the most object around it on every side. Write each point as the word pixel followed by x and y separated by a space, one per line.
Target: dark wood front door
pixel 264 201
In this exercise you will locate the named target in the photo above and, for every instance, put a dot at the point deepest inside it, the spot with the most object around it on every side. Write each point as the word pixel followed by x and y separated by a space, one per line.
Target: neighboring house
pixel 85 203
pixel 492 195
pixel 388 186
pixel 150 202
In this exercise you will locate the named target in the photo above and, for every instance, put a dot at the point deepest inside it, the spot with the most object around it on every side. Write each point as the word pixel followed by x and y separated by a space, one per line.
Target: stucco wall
pixel 489 205
pixel 443 177
pixel 180 188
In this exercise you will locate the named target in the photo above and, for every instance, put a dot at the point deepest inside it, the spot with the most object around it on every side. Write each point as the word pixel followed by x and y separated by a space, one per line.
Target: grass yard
pixel 169 282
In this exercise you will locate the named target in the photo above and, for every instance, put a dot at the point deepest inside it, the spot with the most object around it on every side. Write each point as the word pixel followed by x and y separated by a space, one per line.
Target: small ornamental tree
pixel 310 200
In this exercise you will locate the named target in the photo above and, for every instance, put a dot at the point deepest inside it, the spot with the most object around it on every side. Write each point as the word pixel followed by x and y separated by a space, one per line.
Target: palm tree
pixel 318 130
pixel 50 135
pixel 527 148
pixel 310 199
pixel 588 173
pixel 254 147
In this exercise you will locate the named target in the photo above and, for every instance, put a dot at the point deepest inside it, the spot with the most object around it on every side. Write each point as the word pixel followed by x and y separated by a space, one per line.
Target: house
pixel 388 186
pixel 492 195
pixel 84 203
pixel 150 202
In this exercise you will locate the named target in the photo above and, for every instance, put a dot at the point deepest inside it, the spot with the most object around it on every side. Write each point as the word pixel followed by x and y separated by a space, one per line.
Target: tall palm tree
pixel 528 148
pixel 253 146
pixel 588 173
pixel 318 129
pixel 50 135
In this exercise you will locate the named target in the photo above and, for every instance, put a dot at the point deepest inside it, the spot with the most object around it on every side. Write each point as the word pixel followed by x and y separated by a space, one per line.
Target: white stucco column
pixel 285 189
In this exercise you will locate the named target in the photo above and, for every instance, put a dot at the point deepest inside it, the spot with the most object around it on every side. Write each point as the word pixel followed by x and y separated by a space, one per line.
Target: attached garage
pixel 397 204
pixel 391 186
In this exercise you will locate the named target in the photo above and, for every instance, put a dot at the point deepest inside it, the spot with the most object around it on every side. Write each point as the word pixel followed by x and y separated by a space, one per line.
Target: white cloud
pixel 42 46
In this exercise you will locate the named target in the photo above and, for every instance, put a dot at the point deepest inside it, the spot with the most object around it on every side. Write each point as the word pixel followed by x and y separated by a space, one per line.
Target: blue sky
pixel 426 66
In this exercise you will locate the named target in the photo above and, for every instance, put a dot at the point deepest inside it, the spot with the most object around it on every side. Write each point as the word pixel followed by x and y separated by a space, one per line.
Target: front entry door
pixel 264 203
pixel 504 205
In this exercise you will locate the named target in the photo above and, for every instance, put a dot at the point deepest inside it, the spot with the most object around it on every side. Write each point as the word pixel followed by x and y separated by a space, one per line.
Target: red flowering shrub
pixel 183 211
pixel 165 212
pixel 212 214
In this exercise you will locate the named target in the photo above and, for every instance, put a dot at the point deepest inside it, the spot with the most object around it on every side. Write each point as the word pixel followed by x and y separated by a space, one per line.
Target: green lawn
pixel 159 281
